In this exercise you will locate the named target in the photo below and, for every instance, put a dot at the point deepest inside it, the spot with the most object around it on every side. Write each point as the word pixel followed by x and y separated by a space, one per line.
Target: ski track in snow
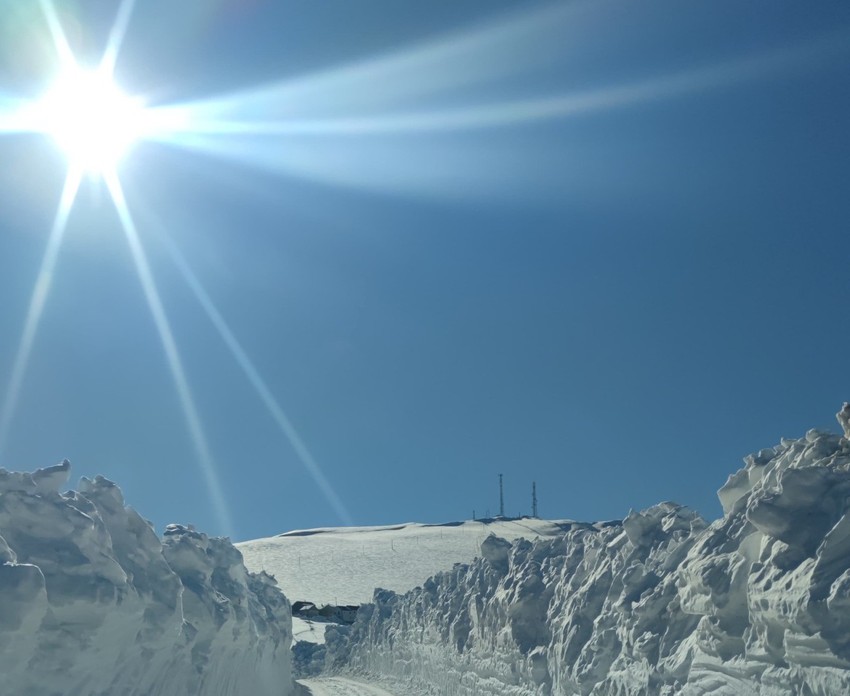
pixel 340 686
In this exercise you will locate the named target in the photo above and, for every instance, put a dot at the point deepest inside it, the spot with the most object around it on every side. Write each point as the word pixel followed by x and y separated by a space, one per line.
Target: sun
pixel 91 119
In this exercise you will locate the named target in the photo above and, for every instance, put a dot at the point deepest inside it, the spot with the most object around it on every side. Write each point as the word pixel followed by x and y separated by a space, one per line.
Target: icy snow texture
pixel 756 603
pixel 92 603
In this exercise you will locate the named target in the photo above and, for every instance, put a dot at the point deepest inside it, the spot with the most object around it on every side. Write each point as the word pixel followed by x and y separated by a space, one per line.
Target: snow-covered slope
pixel 345 565
pixel 92 603
pixel 660 604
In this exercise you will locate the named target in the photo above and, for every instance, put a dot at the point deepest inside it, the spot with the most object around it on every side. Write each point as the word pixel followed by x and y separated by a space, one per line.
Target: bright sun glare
pixel 89 117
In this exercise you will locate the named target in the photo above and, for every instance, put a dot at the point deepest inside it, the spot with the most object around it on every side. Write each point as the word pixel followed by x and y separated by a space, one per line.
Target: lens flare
pixel 90 119
pixel 172 355
pixel 358 125
pixel 260 387
pixel 37 301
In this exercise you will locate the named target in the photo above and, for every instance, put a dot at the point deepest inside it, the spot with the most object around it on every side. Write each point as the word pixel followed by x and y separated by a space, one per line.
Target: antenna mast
pixel 534 498
pixel 501 498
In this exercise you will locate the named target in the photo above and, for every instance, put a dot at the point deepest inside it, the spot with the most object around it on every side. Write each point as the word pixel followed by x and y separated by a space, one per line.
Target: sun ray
pixel 60 40
pixel 40 292
pixel 116 37
pixel 507 46
pixel 288 128
pixel 245 114
pixel 260 387
pixel 172 355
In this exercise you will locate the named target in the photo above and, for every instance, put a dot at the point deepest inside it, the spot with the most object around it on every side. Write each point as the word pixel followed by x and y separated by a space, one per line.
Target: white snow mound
pixel 93 603
pixel 659 605
pixel 344 565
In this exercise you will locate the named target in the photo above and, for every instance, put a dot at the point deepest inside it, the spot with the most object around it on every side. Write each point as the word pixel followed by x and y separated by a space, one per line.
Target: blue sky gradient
pixel 598 245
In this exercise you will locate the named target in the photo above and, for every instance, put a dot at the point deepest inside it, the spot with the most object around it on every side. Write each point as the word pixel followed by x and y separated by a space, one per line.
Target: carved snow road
pixel 339 686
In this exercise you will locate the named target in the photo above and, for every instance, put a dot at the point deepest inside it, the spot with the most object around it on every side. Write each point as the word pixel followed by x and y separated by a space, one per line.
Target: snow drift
pixel 93 603
pixel 659 604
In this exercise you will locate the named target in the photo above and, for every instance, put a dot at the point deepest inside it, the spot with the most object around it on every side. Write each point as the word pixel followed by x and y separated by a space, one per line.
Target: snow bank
pixel 93 603
pixel 660 604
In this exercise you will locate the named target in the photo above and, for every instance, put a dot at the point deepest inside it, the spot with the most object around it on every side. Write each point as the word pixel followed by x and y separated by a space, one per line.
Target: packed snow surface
pixel 340 686
pixel 345 565
pixel 661 604
pixel 311 631
pixel 93 603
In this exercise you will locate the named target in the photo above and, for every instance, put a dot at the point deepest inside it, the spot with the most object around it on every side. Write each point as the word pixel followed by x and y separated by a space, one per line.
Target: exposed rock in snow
pixel 496 552
pixel 756 603
pixel 92 603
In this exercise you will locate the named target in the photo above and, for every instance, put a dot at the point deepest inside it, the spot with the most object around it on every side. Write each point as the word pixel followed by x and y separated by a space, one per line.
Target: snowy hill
pixel 93 603
pixel 662 604
pixel 344 565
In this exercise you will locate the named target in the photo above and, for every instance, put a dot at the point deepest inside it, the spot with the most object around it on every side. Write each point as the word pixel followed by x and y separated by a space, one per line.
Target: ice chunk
pixel 51 479
pixel 496 551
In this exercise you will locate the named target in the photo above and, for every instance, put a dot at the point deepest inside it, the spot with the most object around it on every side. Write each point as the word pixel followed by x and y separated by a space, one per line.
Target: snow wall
pixel 659 604
pixel 93 603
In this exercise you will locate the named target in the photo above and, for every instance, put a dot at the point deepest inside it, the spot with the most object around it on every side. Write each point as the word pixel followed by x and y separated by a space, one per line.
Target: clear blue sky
pixel 600 245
